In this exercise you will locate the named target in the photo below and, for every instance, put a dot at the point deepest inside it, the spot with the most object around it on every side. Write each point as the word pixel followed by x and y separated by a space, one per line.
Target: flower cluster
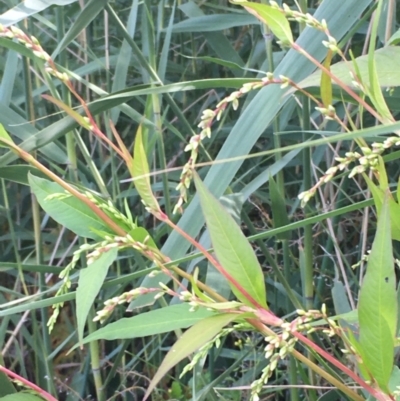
pixel 368 160
pixel 278 347
pixel 110 209
pixel 298 16
pixel 31 43
pixel 215 342
pixel 329 112
pixel 93 252
pixel 207 119
pixel 66 281
pixel 126 297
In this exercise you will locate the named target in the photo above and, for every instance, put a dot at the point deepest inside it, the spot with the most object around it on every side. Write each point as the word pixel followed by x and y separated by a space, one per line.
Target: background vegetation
pixel 166 62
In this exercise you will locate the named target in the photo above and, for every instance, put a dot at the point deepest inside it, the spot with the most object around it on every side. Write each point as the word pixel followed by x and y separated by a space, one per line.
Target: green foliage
pixel 140 173
pixel 65 209
pixel 90 281
pixel 6 386
pixel 154 69
pixel 272 17
pixel 232 250
pixel 386 59
pixel 4 135
pixel 21 397
pixel 278 207
pixel 198 335
pixel 149 323
pixel 377 308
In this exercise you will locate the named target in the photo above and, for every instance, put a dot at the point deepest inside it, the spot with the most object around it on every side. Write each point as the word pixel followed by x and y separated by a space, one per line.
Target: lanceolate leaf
pixel 142 235
pixel 386 59
pixel 6 386
pixel 90 281
pixel 232 249
pixel 68 211
pixel 375 92
pixel 87 15
pixel 326 83
pixel 150 323
pixel 27 8
pixel 395 39
pixel 4 135
pixel 76 116
pixel 377 309
pixel 191 341
pixel 272 17
pixel 140 173
pixel 21 397
pixel 394 208
pixel 213 22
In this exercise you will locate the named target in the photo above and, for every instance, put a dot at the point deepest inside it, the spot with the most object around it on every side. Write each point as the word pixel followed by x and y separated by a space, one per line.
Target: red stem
pixel 338 81
pixel 27 383
pixel 374 392
pixel 214 261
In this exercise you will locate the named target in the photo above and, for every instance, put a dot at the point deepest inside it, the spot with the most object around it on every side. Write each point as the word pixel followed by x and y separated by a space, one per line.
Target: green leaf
pixel 232 249
pixel 209 59
pixel 398 191
pixel 213 22
pixel 6 386
pixel 394 39
pixel 4 135
pixel 374 91
pixel 217 41
pixel 90 281
pixel 124 57
pixel 25 9
pixel 70 212
pixel 71 112
pixel 326 83
pixel 260 113
pixel 150 323
pixel 398 310
pixel 386 59
pixel 272 17
pixel 141 235
pixel 86 16
pixel 13 122
pixel 19 173
pixel 394 382
pixel 189 342
pixel 378 194
pixel 342 306
pixel 279 212
pixel 21 397
pixel 140 173
pixel 377 308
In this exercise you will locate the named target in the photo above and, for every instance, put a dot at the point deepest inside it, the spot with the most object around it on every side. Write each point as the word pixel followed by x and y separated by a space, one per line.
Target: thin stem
pixel 268 332
pixel 30 159
pixel 346 88
pixel 374 392
pixel 27 383
pixel 95 359
pixel 215 263
pixel 321 372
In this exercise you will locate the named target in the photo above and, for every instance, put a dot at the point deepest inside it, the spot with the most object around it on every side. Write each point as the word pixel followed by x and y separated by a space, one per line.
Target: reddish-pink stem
pixel 216 264
pixel 374 392
pixel 27 383
pixel 338 81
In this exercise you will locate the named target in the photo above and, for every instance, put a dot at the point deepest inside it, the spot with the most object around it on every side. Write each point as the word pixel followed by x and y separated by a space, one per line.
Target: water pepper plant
pixel 368 335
